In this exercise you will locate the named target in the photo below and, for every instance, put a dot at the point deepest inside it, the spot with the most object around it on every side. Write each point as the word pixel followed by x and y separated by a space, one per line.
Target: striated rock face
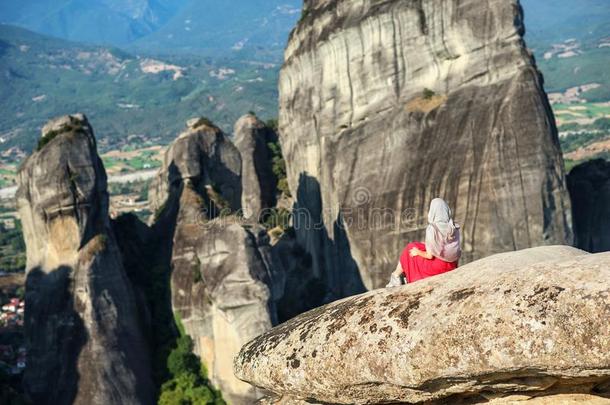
pixel 203 157
pixel 385 105
pixel 524 324
pixel 589 185
pixel 222 291
pixel 222 280
pixel 81 323
pixel 258 181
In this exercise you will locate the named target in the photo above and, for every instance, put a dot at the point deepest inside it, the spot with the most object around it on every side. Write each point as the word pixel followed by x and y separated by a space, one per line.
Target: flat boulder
pixel 532 323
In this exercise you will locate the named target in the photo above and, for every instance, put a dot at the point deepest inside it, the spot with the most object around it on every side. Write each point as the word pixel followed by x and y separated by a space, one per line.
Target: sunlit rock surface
pixel 205 158
pixel 515 325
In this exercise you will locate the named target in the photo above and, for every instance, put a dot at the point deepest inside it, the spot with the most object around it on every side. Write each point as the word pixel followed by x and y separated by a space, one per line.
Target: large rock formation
pixel 81 324
pixel 222 281
pixel 387 104
pixel 203 157
pixel 523 324
pixel 258 181
pixel 589 185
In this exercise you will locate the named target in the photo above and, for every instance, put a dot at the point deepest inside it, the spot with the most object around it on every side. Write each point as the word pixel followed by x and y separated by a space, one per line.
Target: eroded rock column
pixel 82 330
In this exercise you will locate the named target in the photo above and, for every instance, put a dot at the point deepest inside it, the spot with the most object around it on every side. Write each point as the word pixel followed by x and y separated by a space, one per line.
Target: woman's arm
pixel 416 252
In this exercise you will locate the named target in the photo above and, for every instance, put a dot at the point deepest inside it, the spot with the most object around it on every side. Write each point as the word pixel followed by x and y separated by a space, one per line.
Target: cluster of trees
pixel 600 124
pixel 189 383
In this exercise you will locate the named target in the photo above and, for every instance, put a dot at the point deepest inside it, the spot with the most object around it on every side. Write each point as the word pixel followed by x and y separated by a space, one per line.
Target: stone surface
pixel 221 289
pixel 519 324
pixel 368 146
pixel 205 158
pixel 81 324
pixel 589 185
pixel 258 181
pixel 223 284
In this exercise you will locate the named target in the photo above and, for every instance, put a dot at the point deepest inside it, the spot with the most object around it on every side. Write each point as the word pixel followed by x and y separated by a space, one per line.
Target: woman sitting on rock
pixel 438 255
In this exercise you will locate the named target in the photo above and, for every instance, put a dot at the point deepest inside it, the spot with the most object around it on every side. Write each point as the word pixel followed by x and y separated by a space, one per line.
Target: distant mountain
pixel 571 41
pixel 114 22
pixel 554 21
pixel 246 28
pixel 122 94
pixel 210 27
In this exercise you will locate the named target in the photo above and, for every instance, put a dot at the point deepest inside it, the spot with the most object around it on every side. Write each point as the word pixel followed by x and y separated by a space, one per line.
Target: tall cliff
pixel 204 158
pixel 83 333
pixel 222 279
pixel 387 104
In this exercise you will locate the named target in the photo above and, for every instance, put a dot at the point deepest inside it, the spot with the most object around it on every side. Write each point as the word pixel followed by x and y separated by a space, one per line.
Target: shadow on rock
pixel 55 336
pixel 324 269
pixel 589 186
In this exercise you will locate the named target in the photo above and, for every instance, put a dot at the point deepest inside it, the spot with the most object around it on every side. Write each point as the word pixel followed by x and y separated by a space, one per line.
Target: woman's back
pixel 445 247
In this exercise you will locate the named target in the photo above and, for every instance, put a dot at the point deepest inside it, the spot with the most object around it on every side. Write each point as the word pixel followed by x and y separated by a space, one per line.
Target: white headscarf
pixel 442 234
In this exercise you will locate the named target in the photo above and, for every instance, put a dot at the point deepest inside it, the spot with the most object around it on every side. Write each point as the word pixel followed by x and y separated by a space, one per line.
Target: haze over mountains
pixel 124 94
pixel 163 26
pixel 167 26
pixel 549 22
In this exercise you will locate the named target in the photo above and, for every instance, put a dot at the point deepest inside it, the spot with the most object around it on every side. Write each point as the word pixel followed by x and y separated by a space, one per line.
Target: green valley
pixel 130 99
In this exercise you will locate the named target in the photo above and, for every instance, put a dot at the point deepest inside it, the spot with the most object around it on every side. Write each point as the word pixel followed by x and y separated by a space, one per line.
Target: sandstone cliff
pixel 589 185
pixel 515 326
pixel 222 280
pixel 387 104
pixel 81 324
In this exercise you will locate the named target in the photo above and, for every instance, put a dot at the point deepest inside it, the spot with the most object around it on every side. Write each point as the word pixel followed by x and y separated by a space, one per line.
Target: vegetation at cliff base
pixel 279 168
pixel 189 383
pixel 180 375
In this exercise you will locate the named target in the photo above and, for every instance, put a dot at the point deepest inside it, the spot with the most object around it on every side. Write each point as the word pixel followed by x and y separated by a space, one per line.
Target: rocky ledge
pixel 521 325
